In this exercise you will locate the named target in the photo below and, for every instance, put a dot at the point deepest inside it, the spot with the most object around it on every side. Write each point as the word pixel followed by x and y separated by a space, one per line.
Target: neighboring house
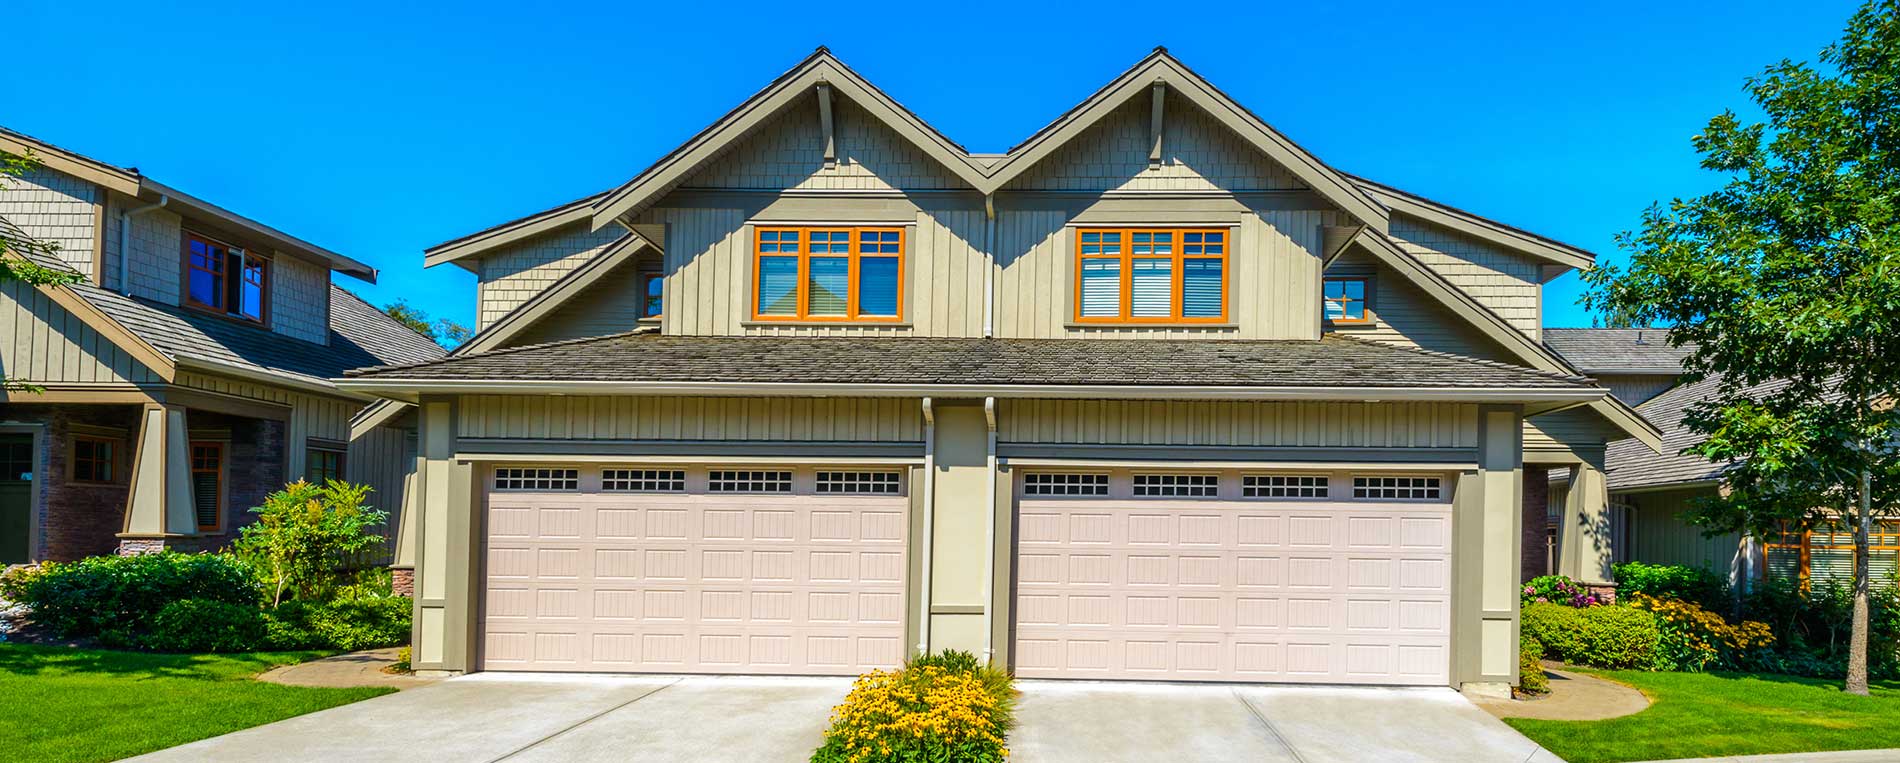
pixel 1155 394
pixel 185 377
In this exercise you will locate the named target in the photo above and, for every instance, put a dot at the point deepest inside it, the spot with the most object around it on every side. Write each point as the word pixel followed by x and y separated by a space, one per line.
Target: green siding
pixel 1658 535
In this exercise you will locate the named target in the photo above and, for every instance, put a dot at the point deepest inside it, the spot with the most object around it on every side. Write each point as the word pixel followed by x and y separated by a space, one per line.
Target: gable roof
pixel 1618 351
pixel 1482 228
pixel 1628 466
pixel 131 182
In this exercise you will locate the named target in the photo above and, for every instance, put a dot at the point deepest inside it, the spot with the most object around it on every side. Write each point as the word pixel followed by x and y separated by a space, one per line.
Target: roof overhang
pixel 160 364
pixel 460 249
pixel 218 221
pixel 1483 229
pixel 300 382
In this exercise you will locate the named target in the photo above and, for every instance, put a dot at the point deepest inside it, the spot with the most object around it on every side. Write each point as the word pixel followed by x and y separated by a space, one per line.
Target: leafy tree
pixel 306 534
pixel 1786 284
pixel 442 331
pixel 18 251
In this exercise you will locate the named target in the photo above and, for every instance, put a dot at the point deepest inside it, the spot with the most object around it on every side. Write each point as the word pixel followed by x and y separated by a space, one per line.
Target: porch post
pixel 1487 519
pixel 159 504
pixel 1587 535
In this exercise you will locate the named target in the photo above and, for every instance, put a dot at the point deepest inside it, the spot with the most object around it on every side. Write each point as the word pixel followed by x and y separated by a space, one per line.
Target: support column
pixel 159 502
pixel 1586 534
pixel 1487 521
pixel 959 552
pixel 446 542
pixel 402 567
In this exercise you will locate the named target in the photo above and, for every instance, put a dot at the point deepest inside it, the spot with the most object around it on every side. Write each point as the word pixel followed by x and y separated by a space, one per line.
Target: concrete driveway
pixel 538 717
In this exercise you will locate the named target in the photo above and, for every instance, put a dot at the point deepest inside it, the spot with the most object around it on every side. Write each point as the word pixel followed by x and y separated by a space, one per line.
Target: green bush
pixel 951 660
pixel 1530 667
pixel 1616 638
pixel 1695 585
pixel 347 624
pixel 1810 629
pixel 198 625
pixel 1558 628
pixel 305 536
pixel 114 598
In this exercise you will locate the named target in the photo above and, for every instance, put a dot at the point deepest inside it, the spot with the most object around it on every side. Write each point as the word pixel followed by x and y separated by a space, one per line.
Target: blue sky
pixel 377 129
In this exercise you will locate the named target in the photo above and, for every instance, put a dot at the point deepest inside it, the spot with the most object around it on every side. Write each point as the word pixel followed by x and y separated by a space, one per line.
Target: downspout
pixel 930 489
pixel 125 229
pixel 989 265
pixel 989 537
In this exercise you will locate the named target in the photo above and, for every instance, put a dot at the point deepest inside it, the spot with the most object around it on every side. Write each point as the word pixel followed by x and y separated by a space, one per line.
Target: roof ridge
pixel 1466 358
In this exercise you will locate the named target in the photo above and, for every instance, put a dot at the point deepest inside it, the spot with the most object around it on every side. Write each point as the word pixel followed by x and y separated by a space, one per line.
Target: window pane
pixel 1101 288
pixel 251 292
pixel 1153 288
pixel 778 285
pixel 654 285
pixel 1334 311
pixel 1355 289
pixel 830 285
pixel 877 286
pixel 207 289
pixel 1200 288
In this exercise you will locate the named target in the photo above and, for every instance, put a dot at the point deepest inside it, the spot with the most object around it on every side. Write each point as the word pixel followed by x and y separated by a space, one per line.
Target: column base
pixel 135 545
pixel 1486 689
pixel 402 581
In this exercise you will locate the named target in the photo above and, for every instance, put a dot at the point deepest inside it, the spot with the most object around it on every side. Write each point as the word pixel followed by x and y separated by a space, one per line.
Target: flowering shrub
pixel 1672 581
pixel 1693 639
pixel 1557 589
pixel 924 712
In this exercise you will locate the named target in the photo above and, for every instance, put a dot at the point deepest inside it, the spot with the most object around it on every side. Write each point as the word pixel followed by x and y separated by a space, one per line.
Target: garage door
pixel 1235 576
pixel 783 571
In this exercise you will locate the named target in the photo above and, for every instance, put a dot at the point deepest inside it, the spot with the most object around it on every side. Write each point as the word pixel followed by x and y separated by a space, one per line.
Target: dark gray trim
pixel 956 609
pixel 1236 453
pixel 505 446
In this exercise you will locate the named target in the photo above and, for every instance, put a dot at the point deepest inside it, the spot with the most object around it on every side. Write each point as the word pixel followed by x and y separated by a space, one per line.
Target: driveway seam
pixel 1271 729
pixel 584 721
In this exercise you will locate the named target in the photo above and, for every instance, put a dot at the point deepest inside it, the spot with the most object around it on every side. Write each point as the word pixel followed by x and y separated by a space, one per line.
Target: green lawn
pixel 1709 714
pixel 60 704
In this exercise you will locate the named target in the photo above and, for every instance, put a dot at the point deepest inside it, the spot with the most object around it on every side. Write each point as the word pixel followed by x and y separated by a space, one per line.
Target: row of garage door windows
pixel 1041 484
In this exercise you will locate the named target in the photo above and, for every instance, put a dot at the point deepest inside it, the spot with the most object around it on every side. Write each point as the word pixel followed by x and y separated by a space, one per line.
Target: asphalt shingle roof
pixel 1599 351
pixel 1628 464
pixel 641 356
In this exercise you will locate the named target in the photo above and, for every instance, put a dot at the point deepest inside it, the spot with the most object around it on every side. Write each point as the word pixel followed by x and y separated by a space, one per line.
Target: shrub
pixel 1557 628
pixel 920 713
pixel 306 534
pixel 347 624
pixel 1810 629
pixel 951 660
pixel 1673 581
pixel 402 664
pixel 1530 667
pixel 1693 639
pixel 1616 637
pixel 200 625
pixel 114 598
pixel 1557 589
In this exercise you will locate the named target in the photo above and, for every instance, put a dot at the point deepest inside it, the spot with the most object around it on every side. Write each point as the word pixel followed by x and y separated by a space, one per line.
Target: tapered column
pixel 159 504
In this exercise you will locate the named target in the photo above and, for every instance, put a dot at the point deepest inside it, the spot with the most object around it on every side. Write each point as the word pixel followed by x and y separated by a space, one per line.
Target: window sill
pixel 224 316
pixel 1352 325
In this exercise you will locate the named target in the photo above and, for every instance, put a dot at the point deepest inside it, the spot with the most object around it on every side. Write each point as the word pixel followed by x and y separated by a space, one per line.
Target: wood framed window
pixel 1826 552
pixel 320 465
pixel 652 293
pixel 1347 298
pixel 828 274
pixel 207 485
pixel 1151 275
pixel 226 280
pixel 94 460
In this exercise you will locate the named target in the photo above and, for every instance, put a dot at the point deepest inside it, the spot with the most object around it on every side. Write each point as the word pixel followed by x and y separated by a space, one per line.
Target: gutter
pixel 125 228
pixel 407 389
pixel 267 376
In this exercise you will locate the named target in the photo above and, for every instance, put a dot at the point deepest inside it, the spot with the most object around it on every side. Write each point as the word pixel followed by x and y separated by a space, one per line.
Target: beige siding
pixel 610 306
pixel 41 342
pixel 1636 389
pixel 1405 315
pixel 1657 534
pixel 1198 154
pixel 55 208
pixel 300 299
pixel 514 274
pixel 325 418
pixel 384 459
pixel 156 241
pixel 1252 424
pixel 788 153
pixel 674 418
pixel 1577 427
pixel 1504 281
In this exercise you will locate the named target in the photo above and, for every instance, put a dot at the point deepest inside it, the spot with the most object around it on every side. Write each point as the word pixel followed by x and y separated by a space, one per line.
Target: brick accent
pixel 137 546
pixel 1536 555
pixel 77 520
pixel 253 468
pixel 402 581
pixel 1606 592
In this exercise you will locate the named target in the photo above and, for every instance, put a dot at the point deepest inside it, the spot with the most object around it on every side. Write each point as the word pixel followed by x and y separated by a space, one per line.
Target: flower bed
pixel 937 708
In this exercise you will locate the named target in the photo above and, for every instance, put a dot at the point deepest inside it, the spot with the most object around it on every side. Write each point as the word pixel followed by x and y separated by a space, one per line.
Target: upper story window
pixel 652 286
pixel 224 279
pixel 1151 275
pixel 829 274
pixel 1346 300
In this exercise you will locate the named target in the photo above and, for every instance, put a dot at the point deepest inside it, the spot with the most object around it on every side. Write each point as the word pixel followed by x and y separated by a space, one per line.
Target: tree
pixel 19 252
pixel 305 535
pixel 442 331
pixel 1786 284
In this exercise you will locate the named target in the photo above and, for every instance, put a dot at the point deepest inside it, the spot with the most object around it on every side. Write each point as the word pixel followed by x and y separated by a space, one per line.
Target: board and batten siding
pixel 690 418
pixel 42 342
pixel 1235 423
pixel 55 208
pixel 1656 533
pixel 310 416
pixel 384 459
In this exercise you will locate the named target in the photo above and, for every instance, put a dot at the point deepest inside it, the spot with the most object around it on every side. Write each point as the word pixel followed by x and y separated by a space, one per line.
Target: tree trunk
pixel 1857 637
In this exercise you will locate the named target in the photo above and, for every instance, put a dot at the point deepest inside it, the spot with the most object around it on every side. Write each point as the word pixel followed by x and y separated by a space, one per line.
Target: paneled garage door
pixel 1319 577
pixel 790 571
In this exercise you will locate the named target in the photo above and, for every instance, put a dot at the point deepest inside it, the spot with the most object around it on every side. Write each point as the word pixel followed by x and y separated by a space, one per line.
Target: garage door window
pixel 643 480
pixel 749 482
pixel 1177 485
pixel 858 483
pixel 537 479
pixel 1065 484
pixel 1396 488
pixel 1283 486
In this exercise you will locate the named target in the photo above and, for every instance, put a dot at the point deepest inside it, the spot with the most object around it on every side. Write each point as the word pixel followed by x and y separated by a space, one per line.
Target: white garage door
pixel 790 571
pixel 1322 578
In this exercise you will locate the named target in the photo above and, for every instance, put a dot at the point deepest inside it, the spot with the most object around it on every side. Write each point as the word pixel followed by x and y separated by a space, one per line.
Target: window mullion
pixel 804 272
pixel 1128 273
pixel 851 244
pixel 1178 273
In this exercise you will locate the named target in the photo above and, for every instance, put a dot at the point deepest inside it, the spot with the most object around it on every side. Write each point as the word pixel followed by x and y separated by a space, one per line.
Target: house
pixel 1649 491
pixel 184 376
pixel 1155 394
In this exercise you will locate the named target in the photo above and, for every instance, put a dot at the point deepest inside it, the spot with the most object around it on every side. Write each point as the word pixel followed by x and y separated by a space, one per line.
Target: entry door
pixel 16 498
pixel 1325 577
